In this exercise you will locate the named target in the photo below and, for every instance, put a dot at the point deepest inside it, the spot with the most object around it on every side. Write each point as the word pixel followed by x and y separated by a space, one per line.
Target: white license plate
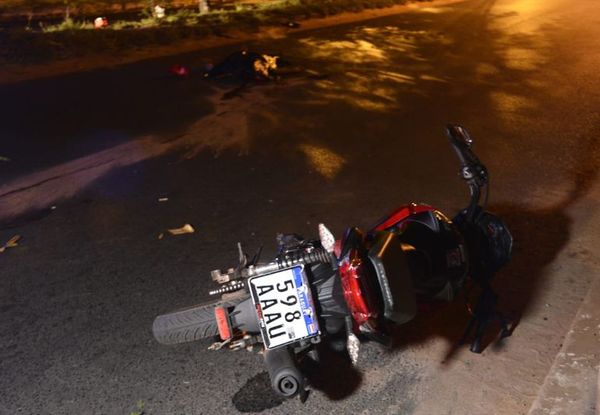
pixel 284 307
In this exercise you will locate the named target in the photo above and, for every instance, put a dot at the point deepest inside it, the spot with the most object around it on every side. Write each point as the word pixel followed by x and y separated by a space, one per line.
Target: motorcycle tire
pixel 188 324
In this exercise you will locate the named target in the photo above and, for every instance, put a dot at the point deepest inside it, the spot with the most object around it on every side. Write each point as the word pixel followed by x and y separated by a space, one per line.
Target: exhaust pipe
pixel 285 377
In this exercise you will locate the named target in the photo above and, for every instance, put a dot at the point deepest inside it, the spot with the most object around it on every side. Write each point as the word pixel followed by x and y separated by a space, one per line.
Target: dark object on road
pixel 292 25
pixel 179 70
pixel 337 292
pixel 246 66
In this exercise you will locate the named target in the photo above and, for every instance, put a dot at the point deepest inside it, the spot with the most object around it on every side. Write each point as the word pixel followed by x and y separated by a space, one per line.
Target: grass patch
pixel 72 38
pixel 140 408
pixel 68 24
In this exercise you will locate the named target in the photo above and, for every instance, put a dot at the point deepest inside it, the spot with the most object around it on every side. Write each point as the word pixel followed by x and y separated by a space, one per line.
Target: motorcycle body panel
pixel 358 278
pixel 399 216
pixel 393 273
pixel 376 278
pixel 435 249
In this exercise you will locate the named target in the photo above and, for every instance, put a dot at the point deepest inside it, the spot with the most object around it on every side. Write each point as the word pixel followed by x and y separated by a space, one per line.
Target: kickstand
pixel 485 313
pixel 303 395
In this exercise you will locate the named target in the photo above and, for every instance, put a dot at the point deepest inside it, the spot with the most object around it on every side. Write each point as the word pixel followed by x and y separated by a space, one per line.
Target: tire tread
pixel 189 324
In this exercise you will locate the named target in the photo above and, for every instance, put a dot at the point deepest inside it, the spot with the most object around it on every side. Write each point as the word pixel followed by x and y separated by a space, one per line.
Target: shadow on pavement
pixel 334 374
pixel 539 235
pixel 256 395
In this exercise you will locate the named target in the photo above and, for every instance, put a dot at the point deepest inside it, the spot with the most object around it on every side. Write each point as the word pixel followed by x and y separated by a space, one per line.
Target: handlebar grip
pixel 461 142
pixel 286 379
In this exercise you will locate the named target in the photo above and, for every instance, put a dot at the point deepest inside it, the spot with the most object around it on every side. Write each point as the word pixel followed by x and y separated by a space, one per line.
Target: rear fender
pixel 244 318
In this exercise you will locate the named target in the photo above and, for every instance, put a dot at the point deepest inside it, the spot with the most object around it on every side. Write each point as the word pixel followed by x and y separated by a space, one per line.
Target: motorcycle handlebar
pixel 473 171
pixel 472 168
pixel 461 142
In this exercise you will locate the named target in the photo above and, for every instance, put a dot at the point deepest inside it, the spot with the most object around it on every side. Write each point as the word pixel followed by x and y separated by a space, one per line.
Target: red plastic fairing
pixel 350 271
pixel 399 215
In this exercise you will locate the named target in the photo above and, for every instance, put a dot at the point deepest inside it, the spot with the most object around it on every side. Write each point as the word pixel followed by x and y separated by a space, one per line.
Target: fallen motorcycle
pixel 358 287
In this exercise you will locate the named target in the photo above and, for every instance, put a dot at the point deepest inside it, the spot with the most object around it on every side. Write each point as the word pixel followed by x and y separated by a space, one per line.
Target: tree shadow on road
pixel 539 236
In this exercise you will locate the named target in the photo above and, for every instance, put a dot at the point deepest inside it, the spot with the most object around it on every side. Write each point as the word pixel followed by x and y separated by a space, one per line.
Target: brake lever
pixel 476 172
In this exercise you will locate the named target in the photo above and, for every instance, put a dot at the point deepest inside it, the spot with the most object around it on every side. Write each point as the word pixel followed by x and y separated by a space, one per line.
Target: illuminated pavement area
pixel 359 134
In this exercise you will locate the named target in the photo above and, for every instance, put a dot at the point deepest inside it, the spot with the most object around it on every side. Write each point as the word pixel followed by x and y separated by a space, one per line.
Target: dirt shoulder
pixel 13 72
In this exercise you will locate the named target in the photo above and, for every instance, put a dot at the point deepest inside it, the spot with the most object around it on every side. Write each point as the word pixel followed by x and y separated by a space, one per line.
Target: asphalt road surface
pixel 358 132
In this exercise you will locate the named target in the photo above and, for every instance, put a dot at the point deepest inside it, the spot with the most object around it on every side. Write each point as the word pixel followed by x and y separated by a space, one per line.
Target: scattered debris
pixel 291 24
pixel 264 66
pixel 159 12
pixel 187 228
pixel 179 70
pixel 100 22
pixel 219 345
pixel 203 6
pixel 161 235
pixel 163 199
pixel 12 243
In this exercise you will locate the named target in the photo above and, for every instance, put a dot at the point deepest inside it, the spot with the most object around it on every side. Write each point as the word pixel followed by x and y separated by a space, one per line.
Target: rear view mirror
pixel 459 135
